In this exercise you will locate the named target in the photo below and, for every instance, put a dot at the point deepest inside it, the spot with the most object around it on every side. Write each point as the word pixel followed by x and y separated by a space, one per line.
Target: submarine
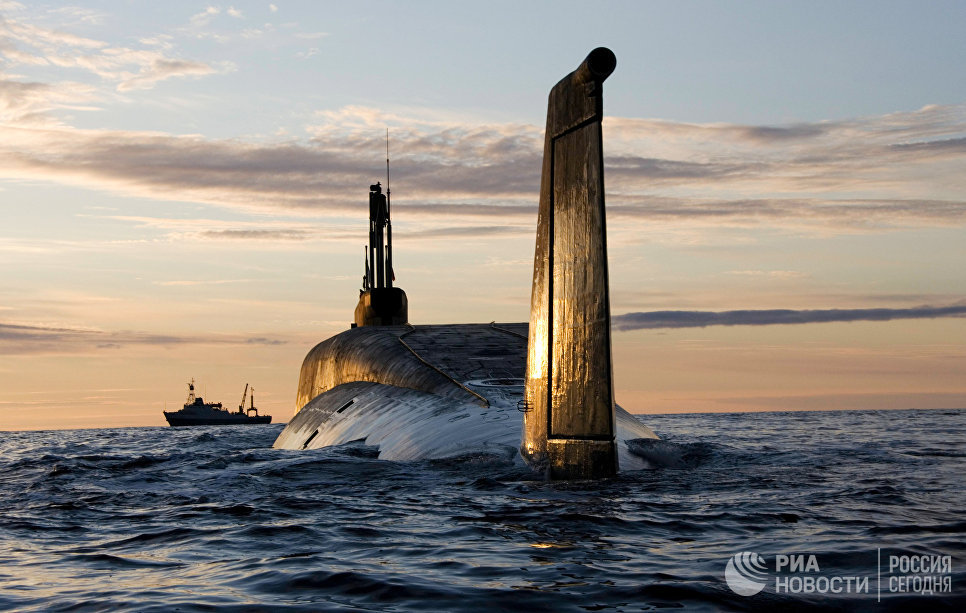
pixel 540 392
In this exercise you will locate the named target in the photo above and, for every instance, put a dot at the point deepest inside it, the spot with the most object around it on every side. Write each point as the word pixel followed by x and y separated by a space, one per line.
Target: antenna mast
pixel 380 303
pixel 390 275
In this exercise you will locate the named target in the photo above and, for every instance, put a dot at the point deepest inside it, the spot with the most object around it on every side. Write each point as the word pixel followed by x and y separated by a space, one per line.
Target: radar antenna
pixel 390 274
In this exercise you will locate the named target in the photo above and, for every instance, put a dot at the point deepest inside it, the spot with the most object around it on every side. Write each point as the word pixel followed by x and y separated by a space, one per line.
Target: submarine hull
pixel 424 392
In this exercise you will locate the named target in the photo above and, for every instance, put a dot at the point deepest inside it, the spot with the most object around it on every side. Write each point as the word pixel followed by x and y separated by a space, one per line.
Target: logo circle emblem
pixel 746 573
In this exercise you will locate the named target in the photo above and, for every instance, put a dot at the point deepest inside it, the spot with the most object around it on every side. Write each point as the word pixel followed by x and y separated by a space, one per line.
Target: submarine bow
pixel 541 392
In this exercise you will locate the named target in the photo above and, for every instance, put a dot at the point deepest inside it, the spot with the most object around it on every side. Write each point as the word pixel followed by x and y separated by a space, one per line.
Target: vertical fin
pixel 569 424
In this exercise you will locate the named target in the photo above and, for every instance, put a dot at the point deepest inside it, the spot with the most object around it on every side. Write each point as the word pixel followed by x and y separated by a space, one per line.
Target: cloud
pixel 162 69
pixel 19 100
pixel 865 174
pixel 304 55
pixel 263 340
pixel 249 235
pixel 775 274
pixel 325 176
pixel 488 171
pixel 210 282
pixel 782 134
pixel 18 339
pixel 955 146
pixel 122 68
pixel 276 231
pixel 837 214
pixel 463 232
pixel 76 14
pixel 469 210
pixel 199 20
pixel 702 319
pixel 192 228
pixel 865 159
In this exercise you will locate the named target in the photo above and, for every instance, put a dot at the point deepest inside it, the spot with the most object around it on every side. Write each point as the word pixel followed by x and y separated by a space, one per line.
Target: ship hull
pixel 174 419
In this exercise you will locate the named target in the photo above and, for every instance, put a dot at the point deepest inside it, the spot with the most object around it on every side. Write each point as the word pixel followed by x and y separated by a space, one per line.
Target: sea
pixel 778 511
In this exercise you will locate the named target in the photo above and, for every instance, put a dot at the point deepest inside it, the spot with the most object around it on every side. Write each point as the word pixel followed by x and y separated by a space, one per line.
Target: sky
pixel 183 194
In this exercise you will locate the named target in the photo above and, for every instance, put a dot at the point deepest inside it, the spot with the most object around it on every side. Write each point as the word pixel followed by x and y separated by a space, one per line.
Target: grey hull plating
pixel 424 392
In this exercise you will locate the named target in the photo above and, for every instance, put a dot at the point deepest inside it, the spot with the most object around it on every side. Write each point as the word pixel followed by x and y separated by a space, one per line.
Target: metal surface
pixel 405 424
pixel 419 392
pixel 409 386
pixel 432 359
pixel 408 424
pixel 372 354
pixel 378 218
pixel 380 304
pixel 570 422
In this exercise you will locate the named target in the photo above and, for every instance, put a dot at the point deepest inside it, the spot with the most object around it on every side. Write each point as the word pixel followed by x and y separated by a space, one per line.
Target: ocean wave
pixel 158 519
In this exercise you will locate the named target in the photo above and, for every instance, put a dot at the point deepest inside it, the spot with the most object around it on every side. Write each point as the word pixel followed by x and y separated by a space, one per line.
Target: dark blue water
pixel 214 519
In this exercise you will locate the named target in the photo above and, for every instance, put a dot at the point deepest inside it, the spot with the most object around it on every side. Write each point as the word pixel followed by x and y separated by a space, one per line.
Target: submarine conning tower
pixel 380 304
pixel 569 410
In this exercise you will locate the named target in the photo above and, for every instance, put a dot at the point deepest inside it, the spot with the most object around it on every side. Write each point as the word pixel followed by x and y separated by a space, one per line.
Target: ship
pixel 540 392
pixel 197 412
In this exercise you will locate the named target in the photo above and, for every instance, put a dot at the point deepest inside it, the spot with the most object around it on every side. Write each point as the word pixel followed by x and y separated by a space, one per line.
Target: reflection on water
pixel 213 518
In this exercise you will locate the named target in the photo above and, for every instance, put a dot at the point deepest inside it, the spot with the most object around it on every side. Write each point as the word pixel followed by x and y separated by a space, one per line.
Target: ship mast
pixel 390 275
pixel 381 303
pixel 379 272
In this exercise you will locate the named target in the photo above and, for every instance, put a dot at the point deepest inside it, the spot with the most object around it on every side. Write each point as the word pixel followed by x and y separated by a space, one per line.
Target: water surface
pixel 213 518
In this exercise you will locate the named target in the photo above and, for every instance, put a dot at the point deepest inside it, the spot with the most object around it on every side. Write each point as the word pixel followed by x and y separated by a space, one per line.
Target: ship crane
pixel 241 407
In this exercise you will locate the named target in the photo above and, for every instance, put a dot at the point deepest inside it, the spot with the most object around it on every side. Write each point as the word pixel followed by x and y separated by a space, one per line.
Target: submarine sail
pixel 380 304
pixel 570 421
pixel 539 392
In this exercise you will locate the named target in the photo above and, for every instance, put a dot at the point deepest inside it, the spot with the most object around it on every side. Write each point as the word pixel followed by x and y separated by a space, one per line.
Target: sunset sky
pixel 183 193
